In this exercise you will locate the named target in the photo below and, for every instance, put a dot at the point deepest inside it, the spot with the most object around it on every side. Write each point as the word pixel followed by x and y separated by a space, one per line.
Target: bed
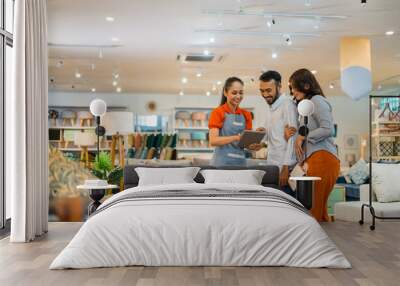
pixel 199 224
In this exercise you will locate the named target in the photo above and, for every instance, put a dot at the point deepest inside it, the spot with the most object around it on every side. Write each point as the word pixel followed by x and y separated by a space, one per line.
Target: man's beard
pixel 273 100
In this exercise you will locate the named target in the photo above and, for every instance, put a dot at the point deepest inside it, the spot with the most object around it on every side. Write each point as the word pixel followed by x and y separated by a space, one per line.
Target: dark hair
pixel 271 75
pixel 228 83
pixel 302 77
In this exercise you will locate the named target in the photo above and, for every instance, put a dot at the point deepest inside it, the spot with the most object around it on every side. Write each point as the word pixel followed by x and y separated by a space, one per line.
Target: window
pixel 6 69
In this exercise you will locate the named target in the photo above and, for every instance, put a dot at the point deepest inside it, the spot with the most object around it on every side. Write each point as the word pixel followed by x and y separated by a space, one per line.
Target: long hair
pixel 228 83
pixel 302 78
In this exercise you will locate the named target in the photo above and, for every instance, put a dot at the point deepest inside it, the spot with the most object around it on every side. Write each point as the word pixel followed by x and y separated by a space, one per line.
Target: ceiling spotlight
pixel 115 39
pixel 184 80
pixel 269 24
pixel 219 82
pixel 78 74
pixel 116 75
pixel 212 40
pixel 389 33
pixel 119 89
pixel 363 3
pixel 314 72
pixel 208 93
pixel 199 74
pixel 110 19
pixel 206 52
pixel 273 21
pixel 288 40
pixel 114 83
pixel 181 93
pixel 274 55
pixel 331 85
pixel 93 89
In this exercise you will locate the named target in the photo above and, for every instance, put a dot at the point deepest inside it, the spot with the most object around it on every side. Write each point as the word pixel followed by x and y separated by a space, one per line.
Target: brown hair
pixel 302 77
pixel 227 85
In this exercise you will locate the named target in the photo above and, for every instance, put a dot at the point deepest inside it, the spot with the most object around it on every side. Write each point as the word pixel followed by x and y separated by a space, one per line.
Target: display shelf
pixel 386 135
pixel 192 128
pixel 92 149
pixel 385 122
pixel 72 127
pixel 194 149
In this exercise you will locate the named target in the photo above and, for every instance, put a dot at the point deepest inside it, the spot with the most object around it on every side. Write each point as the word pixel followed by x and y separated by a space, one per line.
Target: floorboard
pixel 375 257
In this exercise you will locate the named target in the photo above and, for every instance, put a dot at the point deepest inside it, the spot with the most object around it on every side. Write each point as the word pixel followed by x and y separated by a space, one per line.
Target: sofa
pixel 351 210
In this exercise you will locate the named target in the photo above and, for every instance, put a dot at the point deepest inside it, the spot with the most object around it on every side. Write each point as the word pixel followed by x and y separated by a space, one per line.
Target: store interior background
pixel 141 43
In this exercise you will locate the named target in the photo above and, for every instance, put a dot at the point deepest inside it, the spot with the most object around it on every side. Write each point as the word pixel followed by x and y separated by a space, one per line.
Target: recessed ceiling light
pixel 116 75
pixel 219 82
pixel 78 74
pixel 114 83
pixel 184 80
pixel 199 74
pixel 274 55
pixel 93 89
pixel 314 72
pixel 181 93
pixel 389 33
pixel 110 19
pixel 212 40
pixel 331 86
pixel 206 52
pixel 119 89
pixel 115 39
pixel 208 93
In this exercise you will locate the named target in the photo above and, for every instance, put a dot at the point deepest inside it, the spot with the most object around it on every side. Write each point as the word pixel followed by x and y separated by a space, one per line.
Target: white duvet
pixel 200 231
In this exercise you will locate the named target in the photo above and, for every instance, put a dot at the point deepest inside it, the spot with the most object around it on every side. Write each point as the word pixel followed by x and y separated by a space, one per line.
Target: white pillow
pixel 166 176
pixel 386 182
pixel 248 177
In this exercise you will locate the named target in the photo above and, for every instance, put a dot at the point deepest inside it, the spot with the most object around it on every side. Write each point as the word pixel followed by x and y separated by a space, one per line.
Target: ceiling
pixel 150 35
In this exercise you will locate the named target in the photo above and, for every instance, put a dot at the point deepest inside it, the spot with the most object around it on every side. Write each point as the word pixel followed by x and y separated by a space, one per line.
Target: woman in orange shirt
pixel 226 123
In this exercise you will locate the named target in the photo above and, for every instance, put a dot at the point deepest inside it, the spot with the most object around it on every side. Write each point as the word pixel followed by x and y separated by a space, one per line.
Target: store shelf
pixel 192 128
pixel 386 135
pixel 73 127
pixel 80 149
pixel 385 122
pixel 187 149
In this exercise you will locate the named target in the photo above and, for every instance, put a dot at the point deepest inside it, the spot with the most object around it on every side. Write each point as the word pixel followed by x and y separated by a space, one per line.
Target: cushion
pixel 248 177
pixel 359 172
pixel 166 176
pixel 386 182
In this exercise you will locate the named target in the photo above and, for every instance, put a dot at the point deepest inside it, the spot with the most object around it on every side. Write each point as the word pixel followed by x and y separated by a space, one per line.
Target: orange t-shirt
pixel 217 116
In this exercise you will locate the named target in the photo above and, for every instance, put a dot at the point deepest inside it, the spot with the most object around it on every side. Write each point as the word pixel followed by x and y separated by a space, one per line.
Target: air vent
pixel 198 57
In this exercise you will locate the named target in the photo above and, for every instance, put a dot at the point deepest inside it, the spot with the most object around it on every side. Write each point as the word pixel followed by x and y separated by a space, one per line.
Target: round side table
pixel 96 193
pixel 305 190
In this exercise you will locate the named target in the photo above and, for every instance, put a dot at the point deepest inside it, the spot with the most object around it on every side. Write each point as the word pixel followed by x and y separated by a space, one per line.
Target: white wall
pixel 350 116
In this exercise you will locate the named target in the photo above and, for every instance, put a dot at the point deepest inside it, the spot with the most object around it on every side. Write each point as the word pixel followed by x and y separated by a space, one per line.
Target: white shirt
pixel 282 112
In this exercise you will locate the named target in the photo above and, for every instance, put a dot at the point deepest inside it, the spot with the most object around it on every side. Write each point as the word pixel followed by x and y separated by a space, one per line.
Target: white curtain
pixel 27 148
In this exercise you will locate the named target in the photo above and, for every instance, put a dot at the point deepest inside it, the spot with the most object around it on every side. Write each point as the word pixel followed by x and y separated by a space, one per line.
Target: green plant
pixel 104 170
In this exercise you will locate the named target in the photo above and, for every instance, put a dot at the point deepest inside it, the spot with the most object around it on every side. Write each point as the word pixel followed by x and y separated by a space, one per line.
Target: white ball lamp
pixel 98 108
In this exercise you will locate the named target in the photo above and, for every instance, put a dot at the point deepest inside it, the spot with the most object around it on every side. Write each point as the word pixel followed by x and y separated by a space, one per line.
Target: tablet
pixel 250 137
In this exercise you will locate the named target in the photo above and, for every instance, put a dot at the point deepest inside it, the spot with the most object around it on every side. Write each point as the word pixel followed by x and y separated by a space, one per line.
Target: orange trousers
pixel 325 165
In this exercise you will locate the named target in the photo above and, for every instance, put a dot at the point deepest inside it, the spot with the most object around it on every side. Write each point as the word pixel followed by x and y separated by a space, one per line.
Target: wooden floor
pixel 375 257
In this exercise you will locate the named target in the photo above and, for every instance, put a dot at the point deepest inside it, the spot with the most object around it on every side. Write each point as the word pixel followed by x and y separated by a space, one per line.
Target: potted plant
pixel 104 169
pixel 66 201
